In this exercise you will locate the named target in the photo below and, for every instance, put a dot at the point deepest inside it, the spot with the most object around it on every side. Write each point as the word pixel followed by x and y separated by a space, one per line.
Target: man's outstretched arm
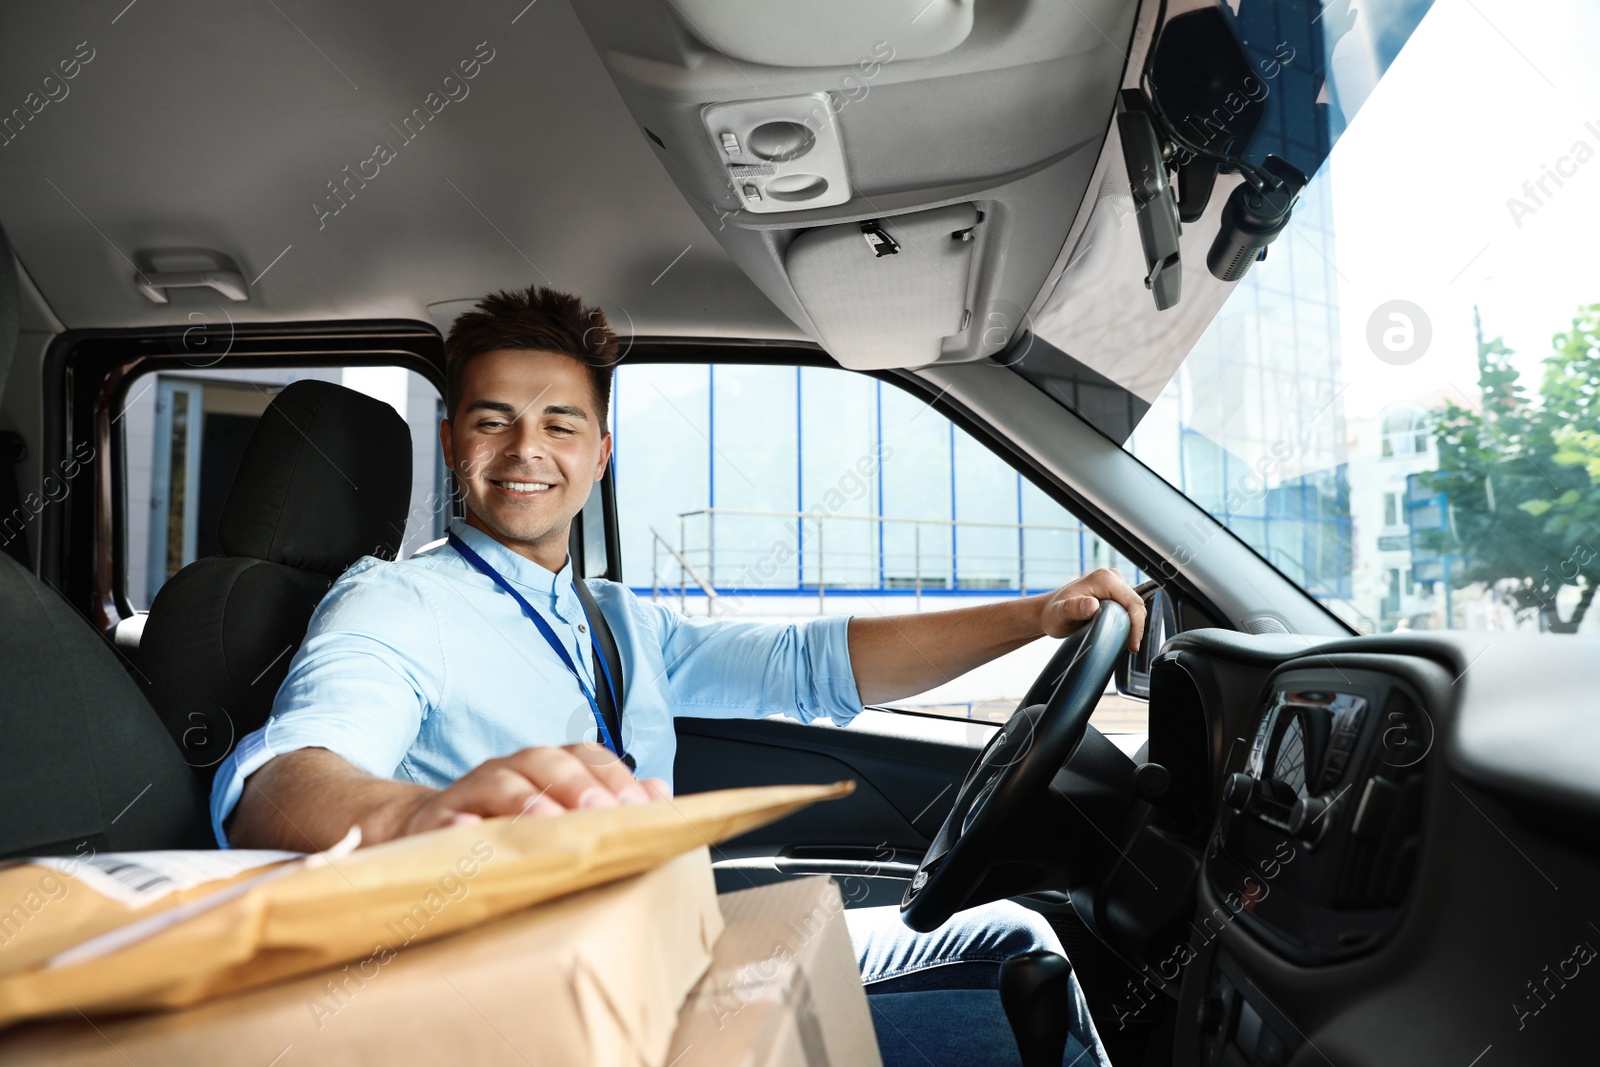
pixel 896 656
pixel 306 800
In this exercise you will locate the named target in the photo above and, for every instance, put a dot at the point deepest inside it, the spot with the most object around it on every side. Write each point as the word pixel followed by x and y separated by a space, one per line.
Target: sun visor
pixel 887 292
pixel 826 33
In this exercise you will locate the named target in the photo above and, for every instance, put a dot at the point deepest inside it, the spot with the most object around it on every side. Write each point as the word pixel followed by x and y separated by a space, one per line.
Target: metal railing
pixel 686 573
pixel 928 563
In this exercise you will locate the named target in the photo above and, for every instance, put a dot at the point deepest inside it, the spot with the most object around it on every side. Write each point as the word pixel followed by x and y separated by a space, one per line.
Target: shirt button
pixel 582 629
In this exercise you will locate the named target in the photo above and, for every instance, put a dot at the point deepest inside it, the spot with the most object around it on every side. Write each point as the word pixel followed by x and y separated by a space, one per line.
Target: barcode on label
pixel 140 878
pixel 136 876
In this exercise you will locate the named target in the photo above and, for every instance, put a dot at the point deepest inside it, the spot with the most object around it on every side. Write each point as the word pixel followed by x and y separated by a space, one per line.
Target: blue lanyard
pixel 555 642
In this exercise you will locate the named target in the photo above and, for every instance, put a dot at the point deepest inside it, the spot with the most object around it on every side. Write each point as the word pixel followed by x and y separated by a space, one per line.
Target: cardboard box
pixel 783 989
pixel 325 911
pixel 595 977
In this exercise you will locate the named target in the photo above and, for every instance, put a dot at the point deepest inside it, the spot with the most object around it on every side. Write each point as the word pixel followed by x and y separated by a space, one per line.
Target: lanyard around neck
pixel 614 744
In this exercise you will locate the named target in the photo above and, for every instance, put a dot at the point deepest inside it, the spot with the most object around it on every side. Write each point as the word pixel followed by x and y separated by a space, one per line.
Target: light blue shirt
pixel 420 670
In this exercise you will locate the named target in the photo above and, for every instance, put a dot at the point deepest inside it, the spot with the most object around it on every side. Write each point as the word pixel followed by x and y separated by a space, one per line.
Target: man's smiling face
pixel 527 443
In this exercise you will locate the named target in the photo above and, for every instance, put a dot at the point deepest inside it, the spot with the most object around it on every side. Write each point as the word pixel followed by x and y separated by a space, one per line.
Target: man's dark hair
pixel 539 318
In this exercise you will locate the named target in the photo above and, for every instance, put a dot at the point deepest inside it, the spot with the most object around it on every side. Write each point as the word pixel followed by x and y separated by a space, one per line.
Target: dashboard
pixel 1388 848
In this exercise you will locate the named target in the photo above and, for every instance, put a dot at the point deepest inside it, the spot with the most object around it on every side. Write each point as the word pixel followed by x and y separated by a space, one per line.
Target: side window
pixel 184 434
pixel 777 492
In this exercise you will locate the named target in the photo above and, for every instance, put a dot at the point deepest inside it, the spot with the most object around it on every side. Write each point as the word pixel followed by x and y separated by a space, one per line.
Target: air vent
pixel 1386 826
pixel 1377 868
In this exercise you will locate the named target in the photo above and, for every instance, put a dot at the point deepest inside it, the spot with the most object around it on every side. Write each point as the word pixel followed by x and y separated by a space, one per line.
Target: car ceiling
pixel 203 127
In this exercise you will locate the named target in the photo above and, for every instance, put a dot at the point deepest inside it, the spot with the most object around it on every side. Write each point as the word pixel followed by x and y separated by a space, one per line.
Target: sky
pixel 1485 96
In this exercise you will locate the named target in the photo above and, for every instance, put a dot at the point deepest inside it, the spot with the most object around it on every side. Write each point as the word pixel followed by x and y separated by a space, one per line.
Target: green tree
pixel 1523 475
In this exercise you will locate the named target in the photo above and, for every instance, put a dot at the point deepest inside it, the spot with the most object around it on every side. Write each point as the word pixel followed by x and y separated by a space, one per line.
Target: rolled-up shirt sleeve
pixel 370 670
pixel 720 668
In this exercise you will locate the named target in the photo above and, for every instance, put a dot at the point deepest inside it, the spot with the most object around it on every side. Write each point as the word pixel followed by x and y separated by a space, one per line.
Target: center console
pixel 1316 849
pixel 1317 843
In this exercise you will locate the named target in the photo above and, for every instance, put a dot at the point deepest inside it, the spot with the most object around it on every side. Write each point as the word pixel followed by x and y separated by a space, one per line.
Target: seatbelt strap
pixel 604 644
pixel 612 741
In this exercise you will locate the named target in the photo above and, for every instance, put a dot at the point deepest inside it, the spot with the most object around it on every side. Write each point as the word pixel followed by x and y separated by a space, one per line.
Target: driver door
pixel 782 492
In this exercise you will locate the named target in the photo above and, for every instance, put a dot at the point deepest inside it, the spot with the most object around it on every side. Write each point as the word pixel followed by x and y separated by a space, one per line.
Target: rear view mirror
pixel 1161 622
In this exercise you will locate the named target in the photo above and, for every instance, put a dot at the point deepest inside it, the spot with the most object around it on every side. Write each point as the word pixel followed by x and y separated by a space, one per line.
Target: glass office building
pixel 1254 424
pixel 1252 427
pixel 802 481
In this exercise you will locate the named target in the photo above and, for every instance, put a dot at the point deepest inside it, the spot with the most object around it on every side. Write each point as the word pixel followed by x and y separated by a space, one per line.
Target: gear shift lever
pixel 1034 993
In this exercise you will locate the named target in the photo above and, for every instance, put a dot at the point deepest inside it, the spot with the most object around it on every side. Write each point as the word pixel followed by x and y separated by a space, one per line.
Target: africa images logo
pixel 1399 332
pixel 1537 191
pixel 454 88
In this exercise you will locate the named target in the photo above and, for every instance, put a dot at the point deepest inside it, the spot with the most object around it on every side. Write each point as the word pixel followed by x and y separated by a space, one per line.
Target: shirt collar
pixel 519 570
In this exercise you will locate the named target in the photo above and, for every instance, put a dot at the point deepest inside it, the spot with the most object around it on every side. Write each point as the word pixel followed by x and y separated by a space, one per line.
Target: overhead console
pixel 898 178
pixel 782 154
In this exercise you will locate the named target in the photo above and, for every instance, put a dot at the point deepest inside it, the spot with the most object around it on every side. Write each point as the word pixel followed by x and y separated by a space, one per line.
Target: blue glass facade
pixel 777 480
pixel 1252 428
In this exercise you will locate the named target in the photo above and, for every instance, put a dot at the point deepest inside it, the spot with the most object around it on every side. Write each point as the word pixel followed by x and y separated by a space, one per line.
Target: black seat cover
pixel 84 763
pixel 324 480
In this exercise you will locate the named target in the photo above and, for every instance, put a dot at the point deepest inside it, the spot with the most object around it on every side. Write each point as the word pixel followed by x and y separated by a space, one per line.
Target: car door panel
pixel 904 788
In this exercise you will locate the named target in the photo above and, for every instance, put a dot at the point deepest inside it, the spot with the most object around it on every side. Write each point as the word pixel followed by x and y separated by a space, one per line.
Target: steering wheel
pixel 1012 773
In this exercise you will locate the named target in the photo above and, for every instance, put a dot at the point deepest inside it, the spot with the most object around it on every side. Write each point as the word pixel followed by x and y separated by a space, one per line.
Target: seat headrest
pixel 325 480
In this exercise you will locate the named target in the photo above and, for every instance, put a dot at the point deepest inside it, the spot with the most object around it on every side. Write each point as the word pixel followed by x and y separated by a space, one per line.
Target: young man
pixel 460 683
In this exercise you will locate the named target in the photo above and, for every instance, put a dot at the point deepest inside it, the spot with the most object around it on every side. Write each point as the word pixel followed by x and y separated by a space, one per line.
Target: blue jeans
pixel 935 997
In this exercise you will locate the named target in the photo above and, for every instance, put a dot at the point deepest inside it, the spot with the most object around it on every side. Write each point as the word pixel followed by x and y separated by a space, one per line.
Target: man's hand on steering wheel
pixel 1068 608
pixel 1012 777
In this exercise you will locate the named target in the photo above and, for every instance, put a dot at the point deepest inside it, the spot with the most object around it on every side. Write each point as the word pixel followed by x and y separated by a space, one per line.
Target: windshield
pixel 1397 407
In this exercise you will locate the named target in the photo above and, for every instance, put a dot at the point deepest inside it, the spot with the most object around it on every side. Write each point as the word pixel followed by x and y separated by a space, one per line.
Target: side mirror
pixel 1161 622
